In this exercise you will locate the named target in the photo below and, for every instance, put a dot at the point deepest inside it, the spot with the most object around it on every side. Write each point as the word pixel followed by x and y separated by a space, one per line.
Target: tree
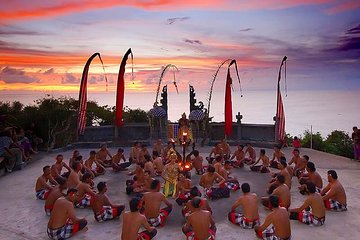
pixel 317 140
pixel 339 143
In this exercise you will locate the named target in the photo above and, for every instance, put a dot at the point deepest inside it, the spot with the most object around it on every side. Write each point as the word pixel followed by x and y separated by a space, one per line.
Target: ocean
pixel 324 111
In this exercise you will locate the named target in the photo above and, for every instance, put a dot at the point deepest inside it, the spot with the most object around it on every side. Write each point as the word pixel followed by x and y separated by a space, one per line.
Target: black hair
pixel 274 201
pixel 245 187
pixel 92 152
pixel 196 153
pixel 218 158
pixel 194 191
pixel 60 180
pixel 306 157
pixel 280 178
pixel 282 162
pixel 147 157
pixel 311 187
pixel 71 190
pixel 101 186
pixel 333 174
pixel 195 202
pixel 75 165
pixel 86 175
pixel 296 150
pixel 121 150
pixel 227 162
pixel 134 204
pixel 282 158
pixel 59 155
pixel 154 184
pixel 242 146
pixel 262 151
pixel 155 153
pixel 311 166
pixel 78 158
pixel 211 169
pixel 46 167
pixel 143 145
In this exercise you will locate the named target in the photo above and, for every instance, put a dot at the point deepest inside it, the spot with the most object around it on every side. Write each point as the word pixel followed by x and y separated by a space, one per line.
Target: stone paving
pixel 23 217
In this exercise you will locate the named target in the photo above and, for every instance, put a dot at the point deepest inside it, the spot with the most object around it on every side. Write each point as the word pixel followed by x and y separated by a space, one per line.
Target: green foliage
pixel 339 143
pixel 317 140
pixel 134 115
pixel 99 116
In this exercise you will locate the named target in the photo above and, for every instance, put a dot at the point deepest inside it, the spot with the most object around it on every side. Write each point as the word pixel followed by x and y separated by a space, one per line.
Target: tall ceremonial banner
pixel 280 114
pixel 228 105
pixel 83 95
pixel 121 89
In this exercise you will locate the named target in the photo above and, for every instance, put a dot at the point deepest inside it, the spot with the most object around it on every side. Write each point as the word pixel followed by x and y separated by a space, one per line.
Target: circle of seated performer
pixel 334 195
pixel 230 182
pixel 63 223
pixel 102 207
pixel 249 203
pixel 211 191
pixel 252 154
pixel 188 208
pixel 274 162
pixel 152 202
pixel 183 188
pixel 99 169
pixel 133 220
pixel 85 195
pixel 282 191
pixel 312 176
pixel 102 155
pixel 116 165
pixel 42 187
pixel 264 167
pixel 312 211
pixel 283 171
pixel 276 225
pixel 200 223
pixel 57 167
pixel 56 193
pixel 158 163
pixel 240 157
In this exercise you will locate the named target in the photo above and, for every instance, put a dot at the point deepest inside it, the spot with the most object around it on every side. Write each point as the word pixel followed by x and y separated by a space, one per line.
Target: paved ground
pixel 23 216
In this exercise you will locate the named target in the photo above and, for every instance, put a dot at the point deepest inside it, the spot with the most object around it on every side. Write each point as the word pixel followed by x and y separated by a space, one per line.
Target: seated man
pixel 102 207
pixel 217 151
pixel 197 162
pixel 282 191
pixel 42 187
pixel 141 154
pixel 158 147
pixel 183 188
pixel 134 152
pixel 75 154
pixel 149 165
pixel 226 149
pixel 74 175
pixel 152 203
pixel 240 157
pixel 199 224
pixel 264 167
pixel 188 208
pixel 252 154
pixel 63 223
pixel 116 165
pixel 58 166
pixel 158 163
pixel 56 193
pixel 274 163
pixel 133 220
pixel 283 171
pixel 334 195
pixel 85 195
pixel 311 176
pixel 137 184
pixel 102 155
pixel 230 182
pixel 279 220
pixel 296 159
pixel 207 181
pixel 99 169
pixel 314 216
pixel 250 216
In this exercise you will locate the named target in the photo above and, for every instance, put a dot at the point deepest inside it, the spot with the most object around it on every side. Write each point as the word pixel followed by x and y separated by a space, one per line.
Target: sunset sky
pixel 45 44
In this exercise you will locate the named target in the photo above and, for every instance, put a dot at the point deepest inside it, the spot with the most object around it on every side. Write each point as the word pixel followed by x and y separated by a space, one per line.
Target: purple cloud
pixel 70 78
pixel 192 41
pixel 13 75
pixel 170 21
pixel 49 71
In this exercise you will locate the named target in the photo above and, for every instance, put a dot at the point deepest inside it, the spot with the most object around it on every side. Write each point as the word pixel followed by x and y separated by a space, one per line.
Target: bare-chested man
pixel 116 165
pixel 152 203
pixel 136 185
pixel 63 223
pixel 275 161
pixel 230 182
pixel 197 162
pixel 314 216
pixel 133 220
pixel 226 148
pixel 249 203
pixel 251 152
pixel 264 167
pixel 99 169
pixel 102 207
pixel 58 166
pixel 141 154
pixel 218 163
pixel 188 208
pixel 159 147
pixel 239 154
pixel 42 187
pixel 85 195
pixel 55 194
pixel 282 191
pixel 311 176
pixel 334 195
pixel 103 154
pixel 216 151
pixel 158 163
pixel 283 171
pixel 134 151
pixel 149 165
pixel 75 154
pixel 208 180
pixel 75 175
pixel 300 163
pixel 200 223
pixel 183 188
pixel 279 221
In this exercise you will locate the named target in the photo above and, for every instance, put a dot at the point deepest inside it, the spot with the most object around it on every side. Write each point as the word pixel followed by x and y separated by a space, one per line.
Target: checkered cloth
pixel 63 232
pixel 308 218
pixel 107 213
pixel 160 220
pixel 190 235
pixel 269 234
pixel 335 205
pixel 232 186
pixel 216 193
pixel 146 235
pixel 239 219
pixel 185 212
pixel 183 198
pixel 48 209
pixel 43 194
pixel 86 201
pixel 201 171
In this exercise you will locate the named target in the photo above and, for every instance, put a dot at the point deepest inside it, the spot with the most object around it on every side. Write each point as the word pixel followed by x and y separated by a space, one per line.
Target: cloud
pixel 170 21
pixel 343 6
pixel 70 78
pixel 245 29
pixel 49 71
pixel 192 41
pixel 18 32
pixel 355 30
pixel 13 75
